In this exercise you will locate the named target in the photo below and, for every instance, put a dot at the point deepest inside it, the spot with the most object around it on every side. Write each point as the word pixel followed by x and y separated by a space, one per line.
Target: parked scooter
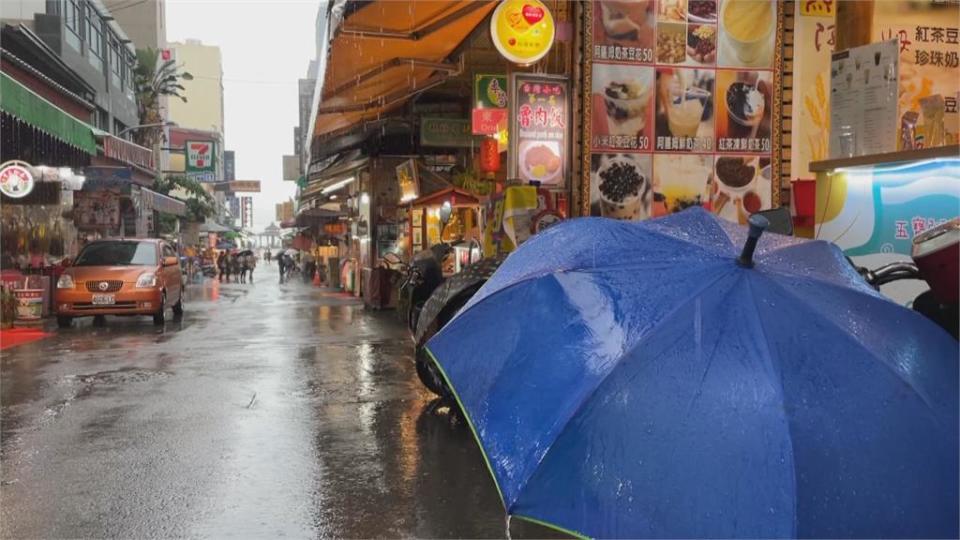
pixel 936 261
pixel 418 281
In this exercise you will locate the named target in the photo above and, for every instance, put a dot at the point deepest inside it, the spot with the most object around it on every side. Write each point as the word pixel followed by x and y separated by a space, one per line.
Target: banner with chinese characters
pixel 929 36
pixel 681 106
pixel 539 133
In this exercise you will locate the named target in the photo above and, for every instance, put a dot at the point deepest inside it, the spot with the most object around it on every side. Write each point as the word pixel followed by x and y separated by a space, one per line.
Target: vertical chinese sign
pixel 539 134
pixel 490 106
pixel 681 107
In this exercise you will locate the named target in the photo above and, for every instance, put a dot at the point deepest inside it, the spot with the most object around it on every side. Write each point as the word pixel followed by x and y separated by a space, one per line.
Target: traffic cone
pixel 316 278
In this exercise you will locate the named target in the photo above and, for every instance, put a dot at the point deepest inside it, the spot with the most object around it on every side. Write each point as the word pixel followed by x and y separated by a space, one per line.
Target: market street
pixel 267 411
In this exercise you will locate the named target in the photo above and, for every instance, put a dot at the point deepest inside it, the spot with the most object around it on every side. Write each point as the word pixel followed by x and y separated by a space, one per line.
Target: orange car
pixel 121 277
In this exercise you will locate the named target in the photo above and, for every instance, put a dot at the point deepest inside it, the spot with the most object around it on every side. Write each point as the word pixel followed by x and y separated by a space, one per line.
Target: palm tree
pixel 153 80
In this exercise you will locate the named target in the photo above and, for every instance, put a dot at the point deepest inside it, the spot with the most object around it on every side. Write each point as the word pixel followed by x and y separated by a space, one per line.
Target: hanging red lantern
pixel 489 155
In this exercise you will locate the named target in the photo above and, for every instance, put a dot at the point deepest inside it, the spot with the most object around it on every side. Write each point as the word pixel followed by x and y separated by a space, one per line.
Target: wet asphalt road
pixel 267 411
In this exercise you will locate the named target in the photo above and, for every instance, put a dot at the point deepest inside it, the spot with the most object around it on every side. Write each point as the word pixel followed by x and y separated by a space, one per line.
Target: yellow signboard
pixel 522 30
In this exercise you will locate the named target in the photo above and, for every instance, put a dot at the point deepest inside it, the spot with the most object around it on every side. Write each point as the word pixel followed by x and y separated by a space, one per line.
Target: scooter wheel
pixel 429 375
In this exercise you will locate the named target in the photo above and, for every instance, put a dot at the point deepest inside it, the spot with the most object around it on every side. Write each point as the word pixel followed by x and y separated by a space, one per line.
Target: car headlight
pixel 65 281
pixel 147 280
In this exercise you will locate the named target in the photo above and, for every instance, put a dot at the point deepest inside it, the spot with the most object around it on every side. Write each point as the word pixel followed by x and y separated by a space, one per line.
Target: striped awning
pixel 385 51
pixel 29 107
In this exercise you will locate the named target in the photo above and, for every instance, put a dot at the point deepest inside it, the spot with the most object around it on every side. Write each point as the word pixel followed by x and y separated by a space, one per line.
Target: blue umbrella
pixel 633 380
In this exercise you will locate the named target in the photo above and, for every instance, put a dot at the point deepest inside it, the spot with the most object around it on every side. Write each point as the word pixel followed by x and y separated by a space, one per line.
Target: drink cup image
pixel 625 190
pixel 624 20
pixel 684 116
pixel 748 25
pixel 627 102
pixel 745 108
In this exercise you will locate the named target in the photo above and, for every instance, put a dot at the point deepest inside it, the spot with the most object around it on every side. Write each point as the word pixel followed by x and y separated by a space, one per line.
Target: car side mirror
pixel 170 261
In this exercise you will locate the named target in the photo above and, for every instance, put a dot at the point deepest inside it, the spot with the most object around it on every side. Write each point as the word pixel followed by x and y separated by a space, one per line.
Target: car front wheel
pixel 64 321
pixel 158 317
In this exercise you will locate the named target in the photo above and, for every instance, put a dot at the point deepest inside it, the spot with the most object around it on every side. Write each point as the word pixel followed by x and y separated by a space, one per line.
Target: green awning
pixel 23 103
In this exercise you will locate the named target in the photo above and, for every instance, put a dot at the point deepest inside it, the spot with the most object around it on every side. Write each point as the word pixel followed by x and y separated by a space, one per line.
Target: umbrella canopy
pixel 632 380
pixel 245 252
pixel 291 252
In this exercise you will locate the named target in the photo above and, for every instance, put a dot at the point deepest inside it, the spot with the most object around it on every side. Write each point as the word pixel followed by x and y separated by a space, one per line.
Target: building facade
pixel 85 36
pixel 203 109
pixel 145 22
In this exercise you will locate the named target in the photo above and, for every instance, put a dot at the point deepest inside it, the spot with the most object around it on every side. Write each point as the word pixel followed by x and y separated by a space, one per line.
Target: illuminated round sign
pixel 522 30
pixel 16 180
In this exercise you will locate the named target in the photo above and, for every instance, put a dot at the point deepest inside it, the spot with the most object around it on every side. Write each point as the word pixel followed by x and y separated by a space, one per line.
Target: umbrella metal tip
pixel 758 224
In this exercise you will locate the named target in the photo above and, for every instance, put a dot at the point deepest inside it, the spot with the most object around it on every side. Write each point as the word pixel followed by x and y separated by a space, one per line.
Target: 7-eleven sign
pixel 201 156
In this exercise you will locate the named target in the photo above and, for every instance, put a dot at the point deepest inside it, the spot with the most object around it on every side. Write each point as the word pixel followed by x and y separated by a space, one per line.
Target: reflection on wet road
pixel 267 411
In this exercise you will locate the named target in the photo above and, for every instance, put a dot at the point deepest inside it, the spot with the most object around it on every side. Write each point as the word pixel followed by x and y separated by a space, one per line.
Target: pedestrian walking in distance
pixel 249 263
pixel 222 266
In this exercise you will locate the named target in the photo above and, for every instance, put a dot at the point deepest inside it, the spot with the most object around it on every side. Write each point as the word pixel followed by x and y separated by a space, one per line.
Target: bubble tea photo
pixel 745 108
pixel 623 186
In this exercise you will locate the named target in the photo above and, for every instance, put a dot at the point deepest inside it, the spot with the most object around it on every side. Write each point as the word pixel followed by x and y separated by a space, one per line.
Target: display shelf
pixel 889 157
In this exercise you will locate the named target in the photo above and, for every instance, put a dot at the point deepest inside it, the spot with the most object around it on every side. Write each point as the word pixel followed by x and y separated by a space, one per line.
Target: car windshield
pixel 118 254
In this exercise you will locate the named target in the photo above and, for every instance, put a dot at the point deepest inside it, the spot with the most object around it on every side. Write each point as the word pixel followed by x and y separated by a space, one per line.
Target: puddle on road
pixel 121 376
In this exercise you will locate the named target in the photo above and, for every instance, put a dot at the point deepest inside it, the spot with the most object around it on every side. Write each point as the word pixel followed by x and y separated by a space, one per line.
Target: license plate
pixel 103 300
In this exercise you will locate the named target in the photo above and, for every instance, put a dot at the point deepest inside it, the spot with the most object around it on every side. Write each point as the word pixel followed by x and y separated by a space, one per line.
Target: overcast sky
pixel 266 46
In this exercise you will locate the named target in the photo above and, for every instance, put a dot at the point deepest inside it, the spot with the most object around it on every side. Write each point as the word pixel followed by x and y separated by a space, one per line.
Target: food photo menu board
pixel 681 107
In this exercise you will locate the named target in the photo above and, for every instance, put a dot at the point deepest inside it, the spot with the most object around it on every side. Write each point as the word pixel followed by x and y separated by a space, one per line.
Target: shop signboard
pixel 681 107
pixel 408 180
pixel 539 140
pixel 229 165
pixel 29 304
pixel 246 212
pixel 201 156
pixel 233 203
pixel 239 186
pixel 16 180
pixel 490 100
pixel 522 30
pixel 446 132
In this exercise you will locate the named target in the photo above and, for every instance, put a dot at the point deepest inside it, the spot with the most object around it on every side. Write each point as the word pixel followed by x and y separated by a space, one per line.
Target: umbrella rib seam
pixel 766 344
pixel 593 391
pixel 860 345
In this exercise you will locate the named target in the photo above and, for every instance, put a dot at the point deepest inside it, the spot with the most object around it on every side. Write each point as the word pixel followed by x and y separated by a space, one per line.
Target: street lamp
pixel 145 126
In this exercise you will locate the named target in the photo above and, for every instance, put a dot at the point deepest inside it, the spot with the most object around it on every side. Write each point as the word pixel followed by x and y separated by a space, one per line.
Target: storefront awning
pixel 125 151
pixel 386 51
pixel 163 203
pixel 213 227
pixel 22 103
pixel 457 197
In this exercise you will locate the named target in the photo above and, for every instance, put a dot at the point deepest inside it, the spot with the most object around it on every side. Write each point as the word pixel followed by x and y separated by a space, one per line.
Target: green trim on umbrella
pixel 572 533
pixel 21 102
pixel 469 423
pixel 486 459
